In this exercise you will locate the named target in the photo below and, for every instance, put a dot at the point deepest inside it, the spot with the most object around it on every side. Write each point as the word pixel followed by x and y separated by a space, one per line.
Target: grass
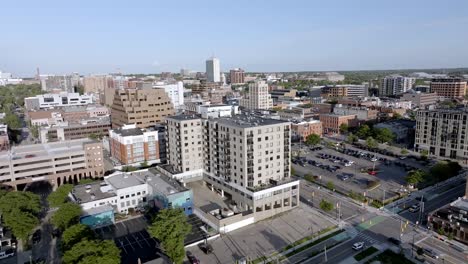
pixel 357 196
pixel 294 252
pixel 390 257
pixel 367 252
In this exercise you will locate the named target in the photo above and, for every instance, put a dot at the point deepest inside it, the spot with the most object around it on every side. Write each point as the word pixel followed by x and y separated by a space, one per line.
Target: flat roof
pixel 246 121
pixel 122 180
pixel 164 184
pixel 85 193
pixel 184 117
pixel 126 132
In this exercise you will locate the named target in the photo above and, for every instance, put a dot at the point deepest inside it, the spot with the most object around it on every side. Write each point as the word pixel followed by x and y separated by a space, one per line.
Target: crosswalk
pixel 367 239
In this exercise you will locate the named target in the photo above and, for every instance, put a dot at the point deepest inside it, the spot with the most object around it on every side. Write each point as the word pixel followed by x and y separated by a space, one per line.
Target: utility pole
pixel 326 259
pixel 383 200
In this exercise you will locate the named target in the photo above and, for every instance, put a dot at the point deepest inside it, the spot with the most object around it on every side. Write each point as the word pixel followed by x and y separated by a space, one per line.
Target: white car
pixel 358 245
pixel 374 159
pixel 348 164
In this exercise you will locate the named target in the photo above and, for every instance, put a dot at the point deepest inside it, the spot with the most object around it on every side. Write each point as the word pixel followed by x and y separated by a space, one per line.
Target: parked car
pixel 193 260
pixel 358 245
pixel 394 241
pixel 414 208
pixel 431 253
pixel 206 248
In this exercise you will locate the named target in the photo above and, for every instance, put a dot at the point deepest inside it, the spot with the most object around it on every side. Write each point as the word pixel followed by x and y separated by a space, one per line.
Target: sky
pixel 102 36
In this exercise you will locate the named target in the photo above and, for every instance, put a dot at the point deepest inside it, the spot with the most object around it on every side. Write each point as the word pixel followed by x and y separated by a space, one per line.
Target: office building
pixel 236 76
pixel 393 85
pixel 143 107
pixel 279 95
pixel 124 192
pixel 245 158
pixel 347 90
pixel 301 130
pixel 174 91
pixel 213 70
pixel 61 99
pixel 442 133
pixel 96 83
pixel 132 145
pixel 331 122
pixel 58 162
pixel 449 87
pixel 420 100
pixel 61 131
pixel 57 83
pixel 258 97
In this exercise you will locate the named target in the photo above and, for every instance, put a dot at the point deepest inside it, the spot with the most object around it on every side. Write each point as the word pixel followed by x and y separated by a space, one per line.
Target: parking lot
pixel 353 169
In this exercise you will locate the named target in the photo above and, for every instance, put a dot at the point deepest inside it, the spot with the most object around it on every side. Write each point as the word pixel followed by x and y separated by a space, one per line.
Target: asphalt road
pixel 447 254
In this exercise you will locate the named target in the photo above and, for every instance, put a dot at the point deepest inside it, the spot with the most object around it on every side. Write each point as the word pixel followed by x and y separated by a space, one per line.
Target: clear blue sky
pixel 152 36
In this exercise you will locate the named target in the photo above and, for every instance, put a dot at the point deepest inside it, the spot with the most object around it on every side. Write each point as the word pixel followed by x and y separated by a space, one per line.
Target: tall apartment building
pixel 174 91
pixel 393 85
pixel 443 132
pixel 57 82
pixel 57 100
pixel 245 158
pixel 96 83
pixel 236 76
pixel 58 162
pixel 449 87
pixel 132 145
pixel 213 70
pixel 143 107
pixel 257 97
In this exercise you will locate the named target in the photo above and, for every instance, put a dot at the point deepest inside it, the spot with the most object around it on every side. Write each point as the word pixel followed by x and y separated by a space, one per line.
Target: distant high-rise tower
pixel 213 70
pixel 393 85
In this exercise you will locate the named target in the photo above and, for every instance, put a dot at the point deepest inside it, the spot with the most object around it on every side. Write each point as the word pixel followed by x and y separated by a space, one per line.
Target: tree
pixel 74 234
pixel 67 215
pixel 404 152
pixel 326 205
pixel 170 227
pixel 415 176
pixel 364 131
pixel 371 143
pixel 12 121
pixel 384 135
pixel 424 154
pixel 34 129
pixel 92 252
pixel 351 139
pixel 330 185
pixel 443 170
pixel 312 139
pixel 396 116
pixel 19 211
pixel 60 196
pixel 344 128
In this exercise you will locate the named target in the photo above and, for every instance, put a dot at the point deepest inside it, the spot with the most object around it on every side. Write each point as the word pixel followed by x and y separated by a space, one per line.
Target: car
pixel 7 253
pixel 371 172
pixel 394 241
pixel 414 208
pixel 344 177
pixel 431 253
pixel 348 164
pixel 206 248
pixel 193 260
pixel 373 159
pixel 402 157
pixel 358 245
pixel 36 237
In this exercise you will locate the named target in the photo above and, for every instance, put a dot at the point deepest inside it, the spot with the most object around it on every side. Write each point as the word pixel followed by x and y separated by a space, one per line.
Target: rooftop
pixel 126 132
pixel 85 193
pixel 246 121
pixel 184 117
pixel 122 180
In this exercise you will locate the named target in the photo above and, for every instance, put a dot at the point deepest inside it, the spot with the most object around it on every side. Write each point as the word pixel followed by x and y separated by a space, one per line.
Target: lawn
pixel 390 257
pixel 367 252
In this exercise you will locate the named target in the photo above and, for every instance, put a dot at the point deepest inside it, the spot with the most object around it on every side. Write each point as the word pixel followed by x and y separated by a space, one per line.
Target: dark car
pixel 36 237
pixel 206 248
pixel 193 260
pixel 394 241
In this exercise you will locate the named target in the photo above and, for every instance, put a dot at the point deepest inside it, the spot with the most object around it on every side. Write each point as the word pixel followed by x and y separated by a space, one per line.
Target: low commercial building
pixel 421 100
pixel 402 129
pixel 362 113
pixel 282 95
pixel 451 219
pixel 45 118
pixel 132 145
pixel 122 192
pixel 215 111
pixel 74 130
pixel 301 130
pixel 331 122
pixel 59 162
pixel 44 101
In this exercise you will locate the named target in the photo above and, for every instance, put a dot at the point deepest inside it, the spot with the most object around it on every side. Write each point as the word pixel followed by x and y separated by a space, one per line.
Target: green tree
pixel 12 120
pixel 74 234
pixel 351 139
pixel 34 129
pixel 67 215
pixel 371 142
pixel 443 170
pixel 170 227
pixel 344 128
pixel 396 116
pixel 415 176
pixel 384 135
pixel 19 211
pixel 312 139
pixel 424 154
pixel 326 205
pixel 330 185
pixel 404 152
pixel 60 196
pixel 92 252
pixel 364 131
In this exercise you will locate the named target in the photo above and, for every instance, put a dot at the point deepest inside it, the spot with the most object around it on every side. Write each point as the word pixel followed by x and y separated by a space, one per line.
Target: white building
pixel 215 111
pixel 174 91
pixel 393 85
pixel 56 100
pixel 7 78
pixel 258 97
pixel 213 70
